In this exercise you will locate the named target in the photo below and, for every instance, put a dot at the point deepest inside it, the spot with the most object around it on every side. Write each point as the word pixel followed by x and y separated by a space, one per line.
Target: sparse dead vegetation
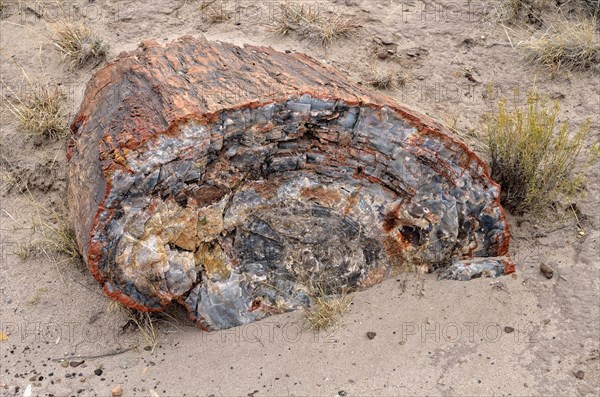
pixel 530 11
pixel 56 230
pixel 78 44
pixel 216 13
pixel 52 232
pixel 39 111
pixel 572 45
pixel 382 78
pixel 24 250
pixel 592 6
pixel 534 159
pixel 385 79
pixel 7 179
pixel 146 323
pixel 308 22
pixel 325 310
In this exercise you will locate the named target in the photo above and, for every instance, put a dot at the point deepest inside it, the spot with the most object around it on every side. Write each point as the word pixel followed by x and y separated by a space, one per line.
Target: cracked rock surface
pixel 235 180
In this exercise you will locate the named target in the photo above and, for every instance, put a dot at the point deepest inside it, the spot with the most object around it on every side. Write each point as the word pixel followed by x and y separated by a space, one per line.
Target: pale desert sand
pixel 432 337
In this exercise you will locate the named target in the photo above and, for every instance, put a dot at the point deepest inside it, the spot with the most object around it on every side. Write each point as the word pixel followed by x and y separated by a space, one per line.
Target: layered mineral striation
pixel 235 180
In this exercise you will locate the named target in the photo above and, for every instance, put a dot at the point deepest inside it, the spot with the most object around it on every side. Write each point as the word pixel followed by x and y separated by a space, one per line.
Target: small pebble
pixel 98 372
pixel 371 334
pixel 579 374
pixel 382 54
pixel 509 330
pixel 117 391
pixel 547 271
pixel 64 363
pixel 75 364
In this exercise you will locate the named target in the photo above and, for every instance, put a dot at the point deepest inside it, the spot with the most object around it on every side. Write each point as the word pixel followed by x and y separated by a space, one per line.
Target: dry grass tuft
pixel 54 227
pixel 325 311
pixel 40 112
pixel 384 79
pixel 142 321
pixel 57 231
pixel 307 22
pixel 533 158
pixel 216 13
pixel 145 324
pixel 592 6
pixel 25 250
pixel 7 179
pixel 531 10
pixel 78 44
pixel 60 236
pixel 573 46
pixel 512 9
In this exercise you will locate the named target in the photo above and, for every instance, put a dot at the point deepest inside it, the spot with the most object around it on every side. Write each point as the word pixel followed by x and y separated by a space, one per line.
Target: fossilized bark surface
pixel 232 180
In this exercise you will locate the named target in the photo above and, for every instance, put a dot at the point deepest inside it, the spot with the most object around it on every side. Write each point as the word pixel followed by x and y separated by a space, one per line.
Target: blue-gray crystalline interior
pixel 250 215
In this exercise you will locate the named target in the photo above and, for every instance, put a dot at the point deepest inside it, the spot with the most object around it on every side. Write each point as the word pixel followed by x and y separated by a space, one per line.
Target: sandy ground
pixel 432 337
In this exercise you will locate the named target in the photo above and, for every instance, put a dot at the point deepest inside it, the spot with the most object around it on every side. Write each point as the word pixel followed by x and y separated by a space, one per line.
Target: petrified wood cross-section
pixel 233 180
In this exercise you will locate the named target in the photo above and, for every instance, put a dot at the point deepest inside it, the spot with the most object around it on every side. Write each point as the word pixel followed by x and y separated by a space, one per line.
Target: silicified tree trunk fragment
pixel 234 180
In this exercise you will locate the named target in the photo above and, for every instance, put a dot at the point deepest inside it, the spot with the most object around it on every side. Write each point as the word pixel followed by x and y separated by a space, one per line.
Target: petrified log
pixel 233 180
